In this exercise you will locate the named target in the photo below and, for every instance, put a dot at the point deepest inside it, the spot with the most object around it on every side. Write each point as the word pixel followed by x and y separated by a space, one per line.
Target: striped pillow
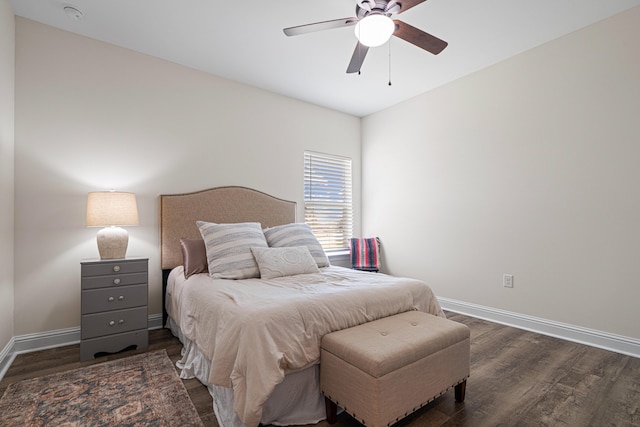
pixel 229 248
pixel 297 234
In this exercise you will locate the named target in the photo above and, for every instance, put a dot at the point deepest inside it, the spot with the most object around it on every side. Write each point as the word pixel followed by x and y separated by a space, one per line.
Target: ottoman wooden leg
pixel 332 410
pixel 460 390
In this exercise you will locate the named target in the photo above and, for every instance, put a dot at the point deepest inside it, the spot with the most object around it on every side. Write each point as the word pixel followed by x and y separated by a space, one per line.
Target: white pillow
pixel 278 262
pixel 297 234
pixel 229 248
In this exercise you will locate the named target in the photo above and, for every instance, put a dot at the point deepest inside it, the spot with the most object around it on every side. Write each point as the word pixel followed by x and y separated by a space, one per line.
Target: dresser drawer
pixel 113 267
pixel 114 280
pixel 113 322
pixel 114 298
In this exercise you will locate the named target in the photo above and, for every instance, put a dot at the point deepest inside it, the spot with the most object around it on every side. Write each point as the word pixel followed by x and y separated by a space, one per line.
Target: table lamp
pixel 112 209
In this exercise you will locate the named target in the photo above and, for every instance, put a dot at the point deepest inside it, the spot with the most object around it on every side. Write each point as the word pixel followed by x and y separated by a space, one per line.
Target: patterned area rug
pixel 141 390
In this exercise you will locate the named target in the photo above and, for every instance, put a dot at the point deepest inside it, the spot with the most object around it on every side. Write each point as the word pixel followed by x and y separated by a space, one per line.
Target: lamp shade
pixel 111 209
pixel 107 208
pixel 374 30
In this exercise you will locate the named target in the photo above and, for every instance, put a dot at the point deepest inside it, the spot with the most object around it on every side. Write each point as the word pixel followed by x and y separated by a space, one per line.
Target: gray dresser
pixel 114 306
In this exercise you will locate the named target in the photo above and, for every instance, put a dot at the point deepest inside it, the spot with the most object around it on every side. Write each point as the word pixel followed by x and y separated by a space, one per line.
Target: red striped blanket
pixel 365 253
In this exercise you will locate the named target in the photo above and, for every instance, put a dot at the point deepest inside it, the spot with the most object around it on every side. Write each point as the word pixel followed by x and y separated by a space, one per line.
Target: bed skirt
pixel 297 400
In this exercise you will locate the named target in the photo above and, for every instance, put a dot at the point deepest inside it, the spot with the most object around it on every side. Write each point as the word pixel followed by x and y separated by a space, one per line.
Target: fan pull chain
pixel 389 62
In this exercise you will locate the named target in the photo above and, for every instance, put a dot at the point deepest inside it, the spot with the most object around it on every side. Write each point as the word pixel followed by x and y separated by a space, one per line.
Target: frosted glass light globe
pixel 374 30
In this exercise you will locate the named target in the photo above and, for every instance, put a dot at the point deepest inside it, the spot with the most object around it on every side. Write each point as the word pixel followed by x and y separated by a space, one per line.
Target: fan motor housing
pixel 382 7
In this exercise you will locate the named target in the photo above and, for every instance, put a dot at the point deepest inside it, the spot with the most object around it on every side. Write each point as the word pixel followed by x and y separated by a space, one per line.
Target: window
pixel 327 199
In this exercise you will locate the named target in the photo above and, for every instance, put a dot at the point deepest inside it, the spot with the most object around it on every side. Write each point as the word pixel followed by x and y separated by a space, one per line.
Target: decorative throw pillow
pixel 229 248
pixel 278 262
pixel 297 234
pixel 194 256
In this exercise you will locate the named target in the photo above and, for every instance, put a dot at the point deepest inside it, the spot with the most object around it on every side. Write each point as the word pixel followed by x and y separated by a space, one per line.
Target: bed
pixel 255 341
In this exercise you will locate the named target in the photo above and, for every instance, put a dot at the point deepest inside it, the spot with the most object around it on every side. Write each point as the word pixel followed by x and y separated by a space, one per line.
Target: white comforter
pixel 254 330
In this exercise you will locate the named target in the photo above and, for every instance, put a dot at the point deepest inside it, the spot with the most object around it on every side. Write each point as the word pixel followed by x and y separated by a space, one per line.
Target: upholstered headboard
pixel 179 213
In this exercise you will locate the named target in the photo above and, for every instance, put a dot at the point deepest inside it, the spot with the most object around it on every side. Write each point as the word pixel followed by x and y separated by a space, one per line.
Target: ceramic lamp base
pixel 112 242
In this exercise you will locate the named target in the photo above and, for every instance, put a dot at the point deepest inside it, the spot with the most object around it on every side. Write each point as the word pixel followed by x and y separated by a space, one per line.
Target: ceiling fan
pixel 374 26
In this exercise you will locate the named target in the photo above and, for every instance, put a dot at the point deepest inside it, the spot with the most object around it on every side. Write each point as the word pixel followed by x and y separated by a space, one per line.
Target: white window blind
pixel 327 199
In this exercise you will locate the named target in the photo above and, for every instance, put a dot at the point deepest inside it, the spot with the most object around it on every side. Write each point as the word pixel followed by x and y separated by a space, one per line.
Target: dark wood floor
pixel 518 378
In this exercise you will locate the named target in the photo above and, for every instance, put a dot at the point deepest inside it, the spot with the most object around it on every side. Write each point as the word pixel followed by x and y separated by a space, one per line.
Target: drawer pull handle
pixel 111 299
pixel 116 281
pixel 112 323
pixel 121 298
pixel 121 321
pixel 116 268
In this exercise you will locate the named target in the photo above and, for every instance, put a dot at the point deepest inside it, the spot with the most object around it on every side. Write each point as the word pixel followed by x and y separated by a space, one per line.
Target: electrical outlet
pixel 507 280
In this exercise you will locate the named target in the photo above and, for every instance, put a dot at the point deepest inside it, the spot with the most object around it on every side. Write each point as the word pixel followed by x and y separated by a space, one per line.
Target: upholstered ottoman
pixel 381 371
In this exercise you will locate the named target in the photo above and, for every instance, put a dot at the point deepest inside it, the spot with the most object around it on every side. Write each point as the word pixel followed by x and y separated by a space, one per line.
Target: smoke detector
pixel 73 13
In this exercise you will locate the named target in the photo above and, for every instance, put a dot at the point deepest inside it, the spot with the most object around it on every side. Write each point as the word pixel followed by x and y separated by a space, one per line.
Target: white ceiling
pixel 242 40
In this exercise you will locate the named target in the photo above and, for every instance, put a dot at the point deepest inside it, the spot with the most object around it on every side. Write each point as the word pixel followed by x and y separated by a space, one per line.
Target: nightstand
pixel 114 306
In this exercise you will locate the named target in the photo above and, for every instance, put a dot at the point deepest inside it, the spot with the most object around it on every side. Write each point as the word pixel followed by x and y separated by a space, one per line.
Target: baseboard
pixel 591 337
pixel 50 339
pixel 6 357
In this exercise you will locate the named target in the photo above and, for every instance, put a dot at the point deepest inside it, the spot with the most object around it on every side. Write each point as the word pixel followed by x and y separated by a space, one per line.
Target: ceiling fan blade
pixel 357 58
pixel 419 38
pixel 320 26
pixel 408 4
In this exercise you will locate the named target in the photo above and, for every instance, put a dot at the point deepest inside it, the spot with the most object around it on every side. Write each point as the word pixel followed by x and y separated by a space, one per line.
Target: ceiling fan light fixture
pixel 374 30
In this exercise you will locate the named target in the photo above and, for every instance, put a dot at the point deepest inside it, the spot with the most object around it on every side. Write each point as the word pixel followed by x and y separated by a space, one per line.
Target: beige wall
pixel 7 62
pixel 529 167
pixel 92 116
